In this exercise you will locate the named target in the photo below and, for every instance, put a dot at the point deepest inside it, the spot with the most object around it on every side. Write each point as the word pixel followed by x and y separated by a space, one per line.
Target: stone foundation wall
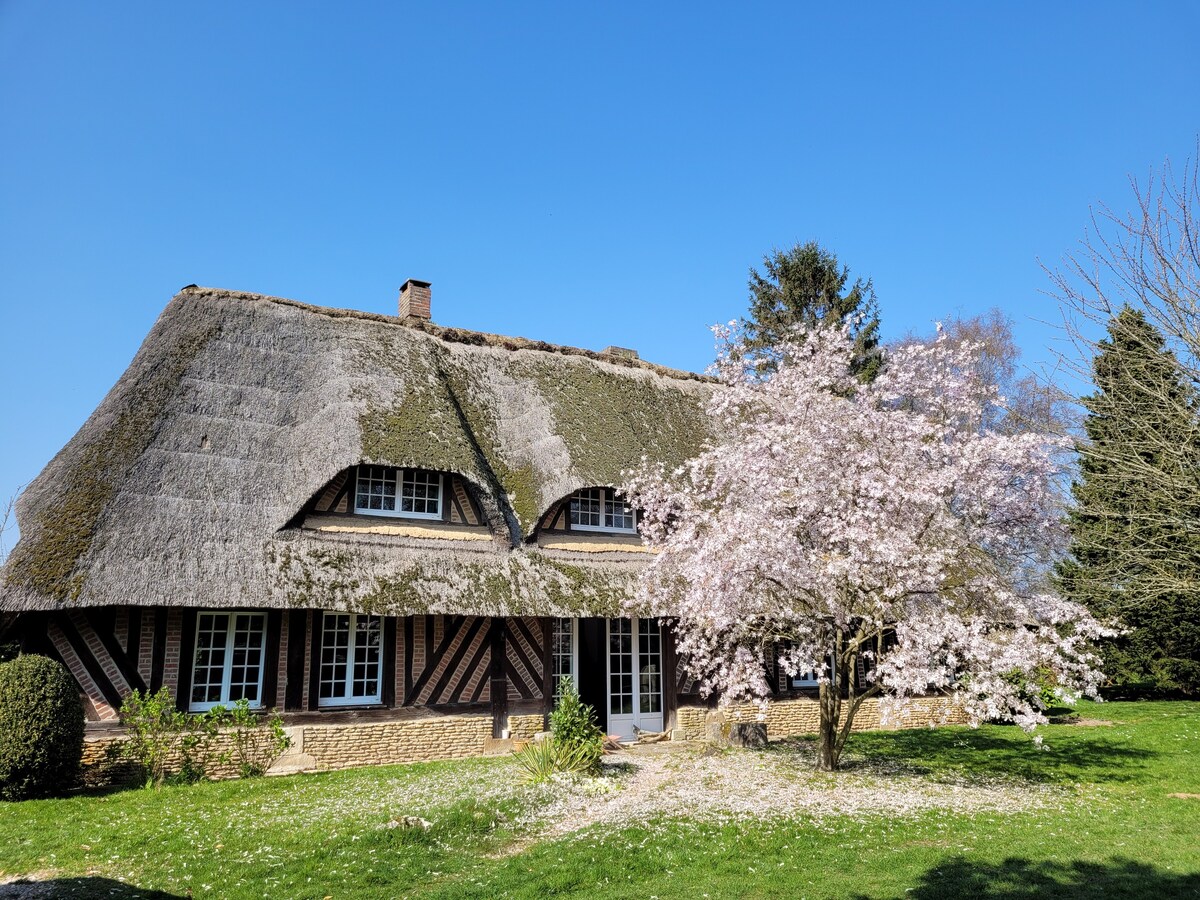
pixel 524 727
pixel 323 747
pixel 802 715
pixel 103 765
pixel 381 743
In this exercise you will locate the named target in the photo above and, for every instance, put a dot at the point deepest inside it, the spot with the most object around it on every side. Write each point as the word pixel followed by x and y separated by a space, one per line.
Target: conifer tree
pixel 1135 527
pixel 805 287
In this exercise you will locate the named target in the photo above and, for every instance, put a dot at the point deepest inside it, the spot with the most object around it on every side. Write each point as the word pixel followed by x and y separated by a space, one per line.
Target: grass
pixel 1116 832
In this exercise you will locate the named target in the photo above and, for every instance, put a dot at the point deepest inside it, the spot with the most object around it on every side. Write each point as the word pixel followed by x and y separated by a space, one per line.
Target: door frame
pixel 645 721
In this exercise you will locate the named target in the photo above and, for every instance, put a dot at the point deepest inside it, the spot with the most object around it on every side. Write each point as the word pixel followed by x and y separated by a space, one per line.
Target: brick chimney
pixel 414 300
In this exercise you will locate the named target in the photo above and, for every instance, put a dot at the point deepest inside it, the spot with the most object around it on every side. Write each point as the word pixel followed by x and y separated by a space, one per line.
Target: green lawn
pixel 1115 832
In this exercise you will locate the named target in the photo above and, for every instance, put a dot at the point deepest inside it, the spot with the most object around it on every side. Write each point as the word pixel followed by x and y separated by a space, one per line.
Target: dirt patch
pixel 1185 796
pixel 1079 720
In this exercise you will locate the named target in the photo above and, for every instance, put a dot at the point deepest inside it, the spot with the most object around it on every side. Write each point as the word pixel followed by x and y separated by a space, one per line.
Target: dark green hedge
pixel 41 728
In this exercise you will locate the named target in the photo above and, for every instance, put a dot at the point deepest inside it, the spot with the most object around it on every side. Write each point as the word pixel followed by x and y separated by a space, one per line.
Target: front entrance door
pixel 634 676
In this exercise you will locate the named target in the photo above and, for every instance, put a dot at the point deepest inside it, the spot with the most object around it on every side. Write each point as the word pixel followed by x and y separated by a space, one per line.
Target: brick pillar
pixel 281 661
pixel 174 649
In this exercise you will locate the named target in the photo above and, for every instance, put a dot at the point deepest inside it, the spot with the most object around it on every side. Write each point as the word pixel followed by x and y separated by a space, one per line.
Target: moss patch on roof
pixel 368 578
pixel 450 415
pixel 423 426
pixel 47 559
pixel 610 420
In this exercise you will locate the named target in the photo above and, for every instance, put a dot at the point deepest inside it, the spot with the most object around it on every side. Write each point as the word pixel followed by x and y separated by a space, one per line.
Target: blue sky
pixel 588 175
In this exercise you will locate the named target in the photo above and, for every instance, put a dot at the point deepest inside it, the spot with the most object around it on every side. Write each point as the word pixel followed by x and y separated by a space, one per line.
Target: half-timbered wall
pixel 110 652
pixel 443 660
pixel 433 661
pixel 524 663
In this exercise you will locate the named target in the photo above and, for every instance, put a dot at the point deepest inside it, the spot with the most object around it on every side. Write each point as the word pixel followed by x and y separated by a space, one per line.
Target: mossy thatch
pixel 238 408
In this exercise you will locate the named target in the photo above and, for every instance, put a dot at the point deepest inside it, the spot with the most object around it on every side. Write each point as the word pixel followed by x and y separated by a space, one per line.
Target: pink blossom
pixel 833 517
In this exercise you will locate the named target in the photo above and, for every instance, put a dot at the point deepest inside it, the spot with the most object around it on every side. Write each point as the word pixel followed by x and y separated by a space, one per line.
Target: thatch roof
pixel 183 486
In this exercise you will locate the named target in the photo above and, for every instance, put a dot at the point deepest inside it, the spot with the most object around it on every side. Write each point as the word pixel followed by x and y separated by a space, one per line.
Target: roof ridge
pixel 454 335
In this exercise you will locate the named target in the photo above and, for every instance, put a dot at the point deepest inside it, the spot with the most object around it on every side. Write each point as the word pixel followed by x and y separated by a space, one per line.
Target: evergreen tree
pixel 806 286
pixel 1135 527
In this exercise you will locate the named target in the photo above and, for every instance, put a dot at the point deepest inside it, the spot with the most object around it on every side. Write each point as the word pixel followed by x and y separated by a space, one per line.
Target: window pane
pixel 586 507
pixel 229 651
pixel 618 514
pixel 562 652
pixel 351 653
pixel 376 488
pixel 420 492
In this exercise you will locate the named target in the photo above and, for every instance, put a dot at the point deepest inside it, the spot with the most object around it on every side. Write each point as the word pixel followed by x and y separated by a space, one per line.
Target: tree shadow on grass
pixel 990 753
pixel 1023 879
pixel 88 886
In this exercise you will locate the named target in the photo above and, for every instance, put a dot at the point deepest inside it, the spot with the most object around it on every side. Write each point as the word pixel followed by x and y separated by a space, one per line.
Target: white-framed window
pixel 564 653
pixel 601 509
pixel 351 659
pixel 227 664
pixel 402 493
pixel 810 678
pixel 805 679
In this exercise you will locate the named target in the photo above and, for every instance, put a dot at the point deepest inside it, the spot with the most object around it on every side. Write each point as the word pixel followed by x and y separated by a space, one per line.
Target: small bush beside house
pixel 41 728
pixel 574 729
pixel 167 744
pixel 575 743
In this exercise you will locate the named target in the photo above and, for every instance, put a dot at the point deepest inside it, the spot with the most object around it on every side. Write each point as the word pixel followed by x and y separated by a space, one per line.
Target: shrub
pixel 161 736
pixel 41 728
pixel 576 758
pixel 255 741
pixel 575 732
pixel 537 761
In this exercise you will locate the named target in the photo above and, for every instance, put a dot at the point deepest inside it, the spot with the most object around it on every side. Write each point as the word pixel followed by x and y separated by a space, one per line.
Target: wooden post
pixel 499 681
pixel 670 680
pixel 547 625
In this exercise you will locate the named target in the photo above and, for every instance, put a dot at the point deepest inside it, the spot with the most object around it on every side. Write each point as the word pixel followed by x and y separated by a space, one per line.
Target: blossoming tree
pixel 874 527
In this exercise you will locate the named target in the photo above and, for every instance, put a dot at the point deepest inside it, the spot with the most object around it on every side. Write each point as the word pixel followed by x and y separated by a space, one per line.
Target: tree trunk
pixel 830 703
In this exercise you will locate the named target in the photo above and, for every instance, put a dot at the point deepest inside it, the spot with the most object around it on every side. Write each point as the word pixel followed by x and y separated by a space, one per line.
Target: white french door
pixel 227 664
pixel 635 688
pixel 351 657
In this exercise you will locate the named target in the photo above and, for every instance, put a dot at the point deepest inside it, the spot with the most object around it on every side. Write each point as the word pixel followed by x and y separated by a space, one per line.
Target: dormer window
pixel 601 509
pixel 403 493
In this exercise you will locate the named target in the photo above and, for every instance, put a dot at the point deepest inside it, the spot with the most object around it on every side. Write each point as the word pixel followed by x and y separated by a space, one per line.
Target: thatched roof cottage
pixel 325 509
pixel 370 522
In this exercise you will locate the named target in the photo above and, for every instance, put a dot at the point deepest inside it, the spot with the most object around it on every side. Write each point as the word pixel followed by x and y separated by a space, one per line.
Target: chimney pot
pixel 414 300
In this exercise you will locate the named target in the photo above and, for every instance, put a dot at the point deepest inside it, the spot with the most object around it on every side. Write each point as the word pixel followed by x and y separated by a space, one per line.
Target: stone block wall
pixel 524 727
pixel 103 765
pixel 325 747
pixel 802 715
pixel 382 743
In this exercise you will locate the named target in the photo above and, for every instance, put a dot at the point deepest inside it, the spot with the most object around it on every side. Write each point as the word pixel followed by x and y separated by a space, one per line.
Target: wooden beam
pixel 388 663
pixel 499 682
pixel 187 653
pixel 547 625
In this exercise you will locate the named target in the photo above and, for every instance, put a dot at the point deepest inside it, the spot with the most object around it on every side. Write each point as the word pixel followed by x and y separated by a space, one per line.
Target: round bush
pixel 41 728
